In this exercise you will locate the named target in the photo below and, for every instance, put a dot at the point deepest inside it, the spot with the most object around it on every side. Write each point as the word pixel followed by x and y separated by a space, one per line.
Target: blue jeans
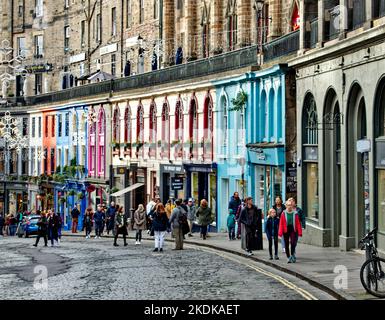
pixel 12 229
pixel 232 233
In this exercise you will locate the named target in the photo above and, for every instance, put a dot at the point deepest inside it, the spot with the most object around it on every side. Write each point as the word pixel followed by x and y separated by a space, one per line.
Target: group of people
pixel 49 228
pixel 8 224
pixel 284 221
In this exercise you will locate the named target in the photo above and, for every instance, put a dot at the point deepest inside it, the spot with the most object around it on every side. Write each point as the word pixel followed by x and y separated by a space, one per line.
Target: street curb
pixel 320 286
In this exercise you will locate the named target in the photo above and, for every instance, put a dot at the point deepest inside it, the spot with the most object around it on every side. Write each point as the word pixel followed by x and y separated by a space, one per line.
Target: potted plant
pixel 240 101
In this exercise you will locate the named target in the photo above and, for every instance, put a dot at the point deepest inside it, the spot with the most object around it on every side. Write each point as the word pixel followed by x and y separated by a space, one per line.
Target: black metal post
pixel 127 196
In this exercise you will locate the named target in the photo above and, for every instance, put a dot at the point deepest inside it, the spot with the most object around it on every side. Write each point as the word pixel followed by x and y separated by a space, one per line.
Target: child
pixel 231 224
pixel 271 230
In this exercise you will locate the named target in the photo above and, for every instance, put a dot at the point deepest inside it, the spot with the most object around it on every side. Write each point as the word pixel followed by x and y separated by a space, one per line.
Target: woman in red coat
pixel 290 229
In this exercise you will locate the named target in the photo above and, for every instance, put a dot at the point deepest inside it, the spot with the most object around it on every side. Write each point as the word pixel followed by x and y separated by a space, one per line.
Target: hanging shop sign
pixel 78 58
pixel 363 145
pixel 291 177
pixel 39 68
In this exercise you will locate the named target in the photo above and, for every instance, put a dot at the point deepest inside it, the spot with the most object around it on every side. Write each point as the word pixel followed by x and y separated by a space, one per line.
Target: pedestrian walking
pixel 2 223
pixel 110 217
pixel 235 202
pixel 237 217
pixel 178 216
pixel 150 209
pixel 12 225
pixel 160 224
pixel 191 215
pixel 169 207
pixel 42 230
pixel 139 223
pixel 271 230
pixel 251 218
pixel 300 212
pixel 290 228
pixel 204 216
pixel 53 227
pixel 279 207
pixel 75 213
pixel 60 224
pixel 231 224
pixel 99 218
pixel 121 227
pixel 87 222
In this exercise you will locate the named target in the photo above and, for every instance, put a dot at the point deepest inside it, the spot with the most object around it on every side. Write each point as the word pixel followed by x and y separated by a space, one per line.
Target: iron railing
pixel 199 68
pixel 281 46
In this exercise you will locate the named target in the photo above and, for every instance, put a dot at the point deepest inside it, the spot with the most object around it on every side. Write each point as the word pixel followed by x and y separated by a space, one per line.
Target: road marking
pixel 307 295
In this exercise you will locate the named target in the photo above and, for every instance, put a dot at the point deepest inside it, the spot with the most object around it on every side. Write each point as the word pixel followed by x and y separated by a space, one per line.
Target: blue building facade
pixel 251 140
pixel 72 162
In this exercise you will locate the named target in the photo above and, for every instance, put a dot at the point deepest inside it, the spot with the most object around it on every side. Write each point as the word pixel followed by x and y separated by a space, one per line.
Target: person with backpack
pixel 53 227
pixel 178 220
pixel 290 228
pixel 42 231
pixel 191 215
pixel 110 217
pixel 204 216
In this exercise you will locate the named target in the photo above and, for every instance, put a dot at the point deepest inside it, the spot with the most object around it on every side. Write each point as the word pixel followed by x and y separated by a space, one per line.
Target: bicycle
pixel 372 271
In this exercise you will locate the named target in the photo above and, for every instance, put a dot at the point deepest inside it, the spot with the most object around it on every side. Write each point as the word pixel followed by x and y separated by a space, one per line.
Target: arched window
pixel 92 143
pixel 153 130
pixel 165 130
pixel 208 128
pixel 140 131
pixel 225 120
pixel 262 116
pixel 193 128
pixel 310 157
pixel 116 127
pixel 127 131
pixel 205 23
pixel 101 142
pixel 232 24
pixel 271 121
pixel 178 129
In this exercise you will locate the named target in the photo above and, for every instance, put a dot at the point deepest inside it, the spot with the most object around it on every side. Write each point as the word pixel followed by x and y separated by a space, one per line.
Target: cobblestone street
pixel 94 269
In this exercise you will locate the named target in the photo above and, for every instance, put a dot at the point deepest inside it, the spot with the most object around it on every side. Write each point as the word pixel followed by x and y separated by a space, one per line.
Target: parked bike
pixel 372 271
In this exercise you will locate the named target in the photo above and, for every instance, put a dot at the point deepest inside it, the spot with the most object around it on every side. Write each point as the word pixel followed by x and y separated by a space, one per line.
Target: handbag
pixel 152 233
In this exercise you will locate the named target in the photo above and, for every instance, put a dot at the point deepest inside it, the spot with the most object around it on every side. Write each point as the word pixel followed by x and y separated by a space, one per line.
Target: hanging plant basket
pixel 71 192
pixel 80 195
pixel 114 189
pixel 62 200
pixel 240 101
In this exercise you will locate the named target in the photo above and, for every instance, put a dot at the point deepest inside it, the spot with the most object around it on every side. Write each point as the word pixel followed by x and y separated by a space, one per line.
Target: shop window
pixel 153 131
pixel 165 131
pixel 127 131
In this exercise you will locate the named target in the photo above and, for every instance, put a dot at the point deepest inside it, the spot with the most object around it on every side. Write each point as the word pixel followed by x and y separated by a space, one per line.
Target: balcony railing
pixel 281 46
pixel 199 68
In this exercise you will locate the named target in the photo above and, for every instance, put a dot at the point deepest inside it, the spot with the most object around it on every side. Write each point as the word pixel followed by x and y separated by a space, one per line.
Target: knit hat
pixel 231 211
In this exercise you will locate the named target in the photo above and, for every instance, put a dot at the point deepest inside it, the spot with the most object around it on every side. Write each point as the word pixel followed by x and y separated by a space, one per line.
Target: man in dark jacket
pixel 42 231
pixel 251 218
pixel 235 202
pixel 99 218
pixel 110 216
pixel 53 227
pixel 75 213
pixel 2 222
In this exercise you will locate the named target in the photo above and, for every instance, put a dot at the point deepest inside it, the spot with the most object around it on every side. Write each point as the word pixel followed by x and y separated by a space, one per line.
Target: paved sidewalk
pixel 314 264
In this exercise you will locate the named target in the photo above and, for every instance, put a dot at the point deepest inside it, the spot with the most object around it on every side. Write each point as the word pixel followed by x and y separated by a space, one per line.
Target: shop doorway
pixel 358 167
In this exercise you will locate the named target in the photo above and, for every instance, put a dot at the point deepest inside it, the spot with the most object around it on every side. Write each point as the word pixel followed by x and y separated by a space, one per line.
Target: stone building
pixel 340 120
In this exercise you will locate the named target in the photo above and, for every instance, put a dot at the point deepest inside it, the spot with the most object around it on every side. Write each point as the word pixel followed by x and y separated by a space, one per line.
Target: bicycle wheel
pixel 373 277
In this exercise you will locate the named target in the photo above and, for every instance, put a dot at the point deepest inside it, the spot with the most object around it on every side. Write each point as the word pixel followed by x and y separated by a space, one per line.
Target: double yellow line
pixel 305 294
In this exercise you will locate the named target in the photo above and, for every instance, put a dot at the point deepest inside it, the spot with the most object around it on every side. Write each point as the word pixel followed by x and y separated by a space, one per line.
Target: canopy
pixel 129 189
pixel 101 76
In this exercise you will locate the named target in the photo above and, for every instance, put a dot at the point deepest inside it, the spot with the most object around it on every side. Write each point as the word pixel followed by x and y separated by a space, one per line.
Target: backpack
pixel 182 220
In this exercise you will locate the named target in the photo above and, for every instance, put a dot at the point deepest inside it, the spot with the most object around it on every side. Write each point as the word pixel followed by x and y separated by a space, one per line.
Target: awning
pixel 129 189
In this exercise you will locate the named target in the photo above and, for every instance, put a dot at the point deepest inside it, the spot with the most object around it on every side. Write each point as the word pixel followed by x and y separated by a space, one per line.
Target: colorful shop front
pixel 270 141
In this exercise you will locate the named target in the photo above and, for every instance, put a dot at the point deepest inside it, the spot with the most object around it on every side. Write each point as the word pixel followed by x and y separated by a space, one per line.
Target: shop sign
pixel 363 145
pixel 78 57
pixel 260 154
pixel 172 168
pixel 177 184
pixel 291 177
pixel 39 68
pixel 109 49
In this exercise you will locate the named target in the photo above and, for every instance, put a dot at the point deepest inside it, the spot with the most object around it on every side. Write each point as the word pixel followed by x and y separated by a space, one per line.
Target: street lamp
pixel 258 5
